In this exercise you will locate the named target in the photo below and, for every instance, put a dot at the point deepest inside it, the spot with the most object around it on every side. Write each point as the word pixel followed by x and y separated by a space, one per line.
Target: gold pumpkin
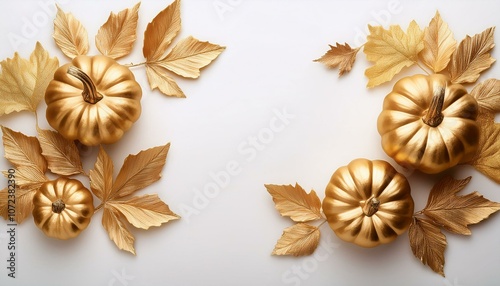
pixel 429 123
pixel 93 100
pixel 63 208
pixel 368 203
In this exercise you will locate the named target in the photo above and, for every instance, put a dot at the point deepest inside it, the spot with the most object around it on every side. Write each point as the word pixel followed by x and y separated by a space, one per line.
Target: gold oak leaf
pixel 145 211
pixel 23 82
pixel 298 240
pixel 158 78
pixel 22 150
pixel 70 35
pixel 139 171
pixel 161 31
pixel 189 56
pixel 472 57
pixel 427 243
pixel 295 203
pixel 487 95
pixel 61 154
pixel 454 212
pixel 391 50
pixel 487 158
pixel 116 37
pixel 113 223
pixel 341 56
pixel 439 44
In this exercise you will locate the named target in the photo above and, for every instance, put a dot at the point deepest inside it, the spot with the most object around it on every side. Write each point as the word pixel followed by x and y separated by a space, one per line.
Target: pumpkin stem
pixel 58 206
pixel 89 93
pixel 370 207
pixel 434 115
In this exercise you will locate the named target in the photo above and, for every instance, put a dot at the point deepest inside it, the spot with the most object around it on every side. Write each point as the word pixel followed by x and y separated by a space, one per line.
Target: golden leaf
pixel 145 211
pixel 341 56
pixel 161 31
pixel 28 177
pixel 61 154
pixel 189 56
pixel 472 57
pixel 298 240
pixel 23 204
pixel 22 150
pixel 427 243
pixel 116 37
pixel 454 212
pixel 113 223
pixel 487 95
pixel 391 50
pixel 295 203
pixel 23 82
pixel 158 78
pixel 139 171
pixel 101 177
pixel 439 44
pixel 70 35
pixel 487 158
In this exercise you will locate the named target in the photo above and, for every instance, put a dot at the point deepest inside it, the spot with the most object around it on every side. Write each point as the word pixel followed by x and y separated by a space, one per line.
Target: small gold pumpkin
pixel 93 100
pixel 62 208
pixel 368 203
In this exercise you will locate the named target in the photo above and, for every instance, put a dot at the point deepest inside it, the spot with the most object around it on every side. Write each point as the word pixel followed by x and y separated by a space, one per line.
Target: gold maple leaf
pixel 391 50
pixel 439 44
pixel 138 171
pixel 445 209
pixel 472 57
pixel 23 82
pixel 341 56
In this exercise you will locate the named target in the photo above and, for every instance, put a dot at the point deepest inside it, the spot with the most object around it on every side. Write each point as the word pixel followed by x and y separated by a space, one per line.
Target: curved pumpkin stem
pixel 89 93
pixel 434 115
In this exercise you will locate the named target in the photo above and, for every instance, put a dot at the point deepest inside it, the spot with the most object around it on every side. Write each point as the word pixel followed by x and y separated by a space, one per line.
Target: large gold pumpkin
pixel 429 123
pixel 93 100
pixel 63 208
pixel 368 203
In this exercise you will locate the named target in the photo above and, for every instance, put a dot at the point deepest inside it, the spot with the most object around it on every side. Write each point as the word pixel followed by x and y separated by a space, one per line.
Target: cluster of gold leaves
pixel 393 49
pixel 293 202
pixel 34 156
pixel 117 36
pixel 23 83
pixel 445 209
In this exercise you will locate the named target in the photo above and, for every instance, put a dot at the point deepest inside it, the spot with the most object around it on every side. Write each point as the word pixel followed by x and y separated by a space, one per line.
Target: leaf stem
pixel 135 65
pixel 98 207
pixel 422 68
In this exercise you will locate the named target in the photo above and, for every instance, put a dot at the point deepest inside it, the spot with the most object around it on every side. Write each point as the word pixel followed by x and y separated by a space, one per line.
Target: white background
pixel 267 67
